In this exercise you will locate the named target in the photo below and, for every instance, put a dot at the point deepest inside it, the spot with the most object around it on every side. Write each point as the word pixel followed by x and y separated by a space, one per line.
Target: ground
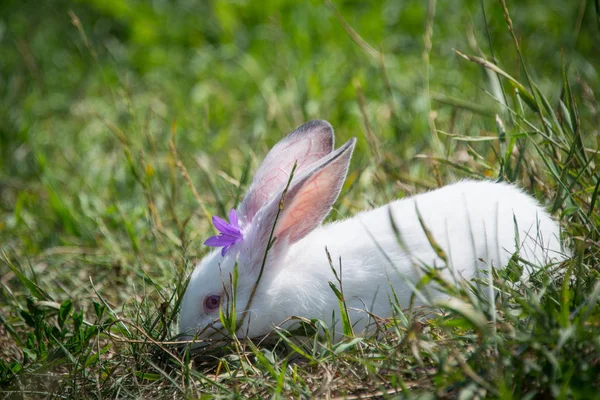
pixel 125 125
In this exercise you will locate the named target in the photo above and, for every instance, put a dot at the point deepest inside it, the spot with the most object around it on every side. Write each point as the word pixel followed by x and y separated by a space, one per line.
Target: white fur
pixel 473 222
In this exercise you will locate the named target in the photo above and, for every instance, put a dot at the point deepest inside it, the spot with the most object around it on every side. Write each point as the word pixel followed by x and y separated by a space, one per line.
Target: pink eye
pixel 212 302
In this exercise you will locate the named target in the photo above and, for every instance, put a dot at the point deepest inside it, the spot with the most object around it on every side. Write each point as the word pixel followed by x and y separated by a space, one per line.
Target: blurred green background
pixel 126 124
pixel 92 91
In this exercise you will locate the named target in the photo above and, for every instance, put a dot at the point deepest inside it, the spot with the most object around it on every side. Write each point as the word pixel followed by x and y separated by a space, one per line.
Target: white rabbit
pixel 473 222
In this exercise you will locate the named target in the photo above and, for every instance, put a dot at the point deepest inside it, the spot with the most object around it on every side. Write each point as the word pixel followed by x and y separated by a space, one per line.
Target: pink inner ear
pixel 311 197
pixel 306 145
pixel 309 206
pixel 275 180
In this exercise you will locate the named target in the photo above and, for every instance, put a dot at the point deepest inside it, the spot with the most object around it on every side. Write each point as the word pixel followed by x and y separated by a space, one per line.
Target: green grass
pixel 125 124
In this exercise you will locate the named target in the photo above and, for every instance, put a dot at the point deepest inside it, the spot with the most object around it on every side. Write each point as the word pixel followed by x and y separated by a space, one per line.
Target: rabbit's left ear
pixel 304 146
pixel 309 198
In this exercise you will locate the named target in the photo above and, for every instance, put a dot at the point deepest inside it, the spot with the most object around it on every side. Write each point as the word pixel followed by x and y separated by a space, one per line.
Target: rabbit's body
pixel 471 221
pixel 474 223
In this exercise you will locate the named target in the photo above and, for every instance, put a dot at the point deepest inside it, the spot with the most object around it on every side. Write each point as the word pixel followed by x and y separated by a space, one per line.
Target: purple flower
pixel 229 232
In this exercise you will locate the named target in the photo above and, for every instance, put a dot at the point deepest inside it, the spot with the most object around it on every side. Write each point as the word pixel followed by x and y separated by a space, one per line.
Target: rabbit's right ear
pixel 307 202
pixel 304 146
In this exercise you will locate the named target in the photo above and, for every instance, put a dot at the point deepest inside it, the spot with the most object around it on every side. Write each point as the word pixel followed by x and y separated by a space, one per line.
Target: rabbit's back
pixel 474 224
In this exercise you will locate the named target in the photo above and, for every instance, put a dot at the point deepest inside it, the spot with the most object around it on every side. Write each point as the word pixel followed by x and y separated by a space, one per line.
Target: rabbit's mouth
pixel 200 337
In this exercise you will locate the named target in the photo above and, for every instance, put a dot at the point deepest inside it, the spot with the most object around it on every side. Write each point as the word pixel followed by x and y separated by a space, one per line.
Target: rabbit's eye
pixel 212 302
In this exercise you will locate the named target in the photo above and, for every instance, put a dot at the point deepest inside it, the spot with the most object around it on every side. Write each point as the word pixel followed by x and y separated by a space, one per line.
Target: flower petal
pixel 233 219
pixel 229 233
pixel 224 251
pixel 222 225
pixel 220 240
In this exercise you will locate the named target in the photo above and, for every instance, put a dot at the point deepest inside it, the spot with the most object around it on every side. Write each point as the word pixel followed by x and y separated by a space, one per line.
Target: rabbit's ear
pixel 309 198
pixel 304 146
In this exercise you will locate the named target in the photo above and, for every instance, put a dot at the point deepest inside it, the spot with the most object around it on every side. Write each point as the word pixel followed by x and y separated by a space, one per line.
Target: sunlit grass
pixel 117 143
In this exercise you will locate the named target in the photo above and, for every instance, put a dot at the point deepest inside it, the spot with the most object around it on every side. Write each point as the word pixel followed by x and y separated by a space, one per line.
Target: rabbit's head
pixel 317 180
